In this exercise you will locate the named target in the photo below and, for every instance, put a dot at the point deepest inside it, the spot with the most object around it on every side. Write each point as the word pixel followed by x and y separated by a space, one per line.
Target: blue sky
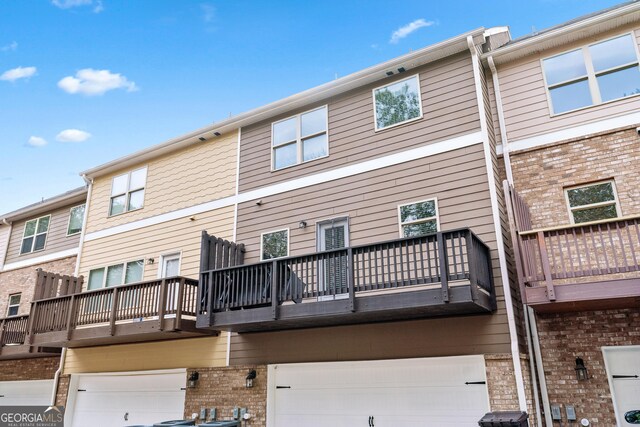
pixel 83 82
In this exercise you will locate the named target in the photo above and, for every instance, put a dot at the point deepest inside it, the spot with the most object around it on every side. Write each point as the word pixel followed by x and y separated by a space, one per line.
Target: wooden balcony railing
pixel 437 259
pixel 155 300
pixel 13 330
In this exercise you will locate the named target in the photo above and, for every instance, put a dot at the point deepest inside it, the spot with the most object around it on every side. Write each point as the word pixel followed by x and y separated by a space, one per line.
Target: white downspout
pixel 515 351
pixel 535 360
pixel 235 223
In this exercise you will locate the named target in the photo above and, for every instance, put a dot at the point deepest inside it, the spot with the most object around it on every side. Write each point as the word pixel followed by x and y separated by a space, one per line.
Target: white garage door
pixel 26 392
pixel 390 393
pixel 623 370
pixel 128 399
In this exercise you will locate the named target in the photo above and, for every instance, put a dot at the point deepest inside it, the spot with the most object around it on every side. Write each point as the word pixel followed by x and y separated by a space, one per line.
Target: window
pixel 593 74
pixel 300 138
pixel 127 191
pixel 418 218
pixel 35 235
pixel 116 274
pixel 170 265
pixel 274 244
pixel 14 304
pixel 592 202
pixel 76 217
pixel 397 103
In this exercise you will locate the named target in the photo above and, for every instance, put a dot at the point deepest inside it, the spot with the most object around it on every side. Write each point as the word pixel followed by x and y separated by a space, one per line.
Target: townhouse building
pixel 567 106
pixel 38 245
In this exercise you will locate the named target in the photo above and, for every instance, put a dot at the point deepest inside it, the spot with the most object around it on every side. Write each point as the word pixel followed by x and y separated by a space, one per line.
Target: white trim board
pixel 574 132
pixel 295 184
pixel 38 260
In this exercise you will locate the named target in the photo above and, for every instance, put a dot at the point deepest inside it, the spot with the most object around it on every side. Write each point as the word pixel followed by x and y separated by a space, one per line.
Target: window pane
pixel 315 147
pixel 284 131
pixel 119 185
pixel 26 245
pixel 570 97
pixel 619 84
pixel 138 179
pixel 314 122
pixel 595 214
pixel 40 241
pixel 171 267
pixel 274 245
pixel 117 205
pixel 592 194
pixel 13 311
pixel 14 299
pixel 96 277
pixel 397 103
pixel 75 219
pixel 136 200
pixel 30 228
pixel 285 156
pixel 564 67
pixel 43 224
pixel 418 211
pixel 613 53
pixel 134 271
pixel 414 230
pixel 114 275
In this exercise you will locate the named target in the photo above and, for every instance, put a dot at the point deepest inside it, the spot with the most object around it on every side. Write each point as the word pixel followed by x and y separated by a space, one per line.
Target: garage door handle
pixel 126 416
pixel 475 382
pixel 624 376
pixel 283 386
pixel 371 424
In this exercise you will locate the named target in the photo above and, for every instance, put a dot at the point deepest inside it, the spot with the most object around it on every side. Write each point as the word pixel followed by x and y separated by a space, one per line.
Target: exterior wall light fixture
pixel 193 379
pixel 581 371
pixel 250 377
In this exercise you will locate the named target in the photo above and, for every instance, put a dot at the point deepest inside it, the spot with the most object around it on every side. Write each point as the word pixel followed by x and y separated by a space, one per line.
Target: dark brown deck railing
pixel 13 330
pixel 174 296
pixel 437 258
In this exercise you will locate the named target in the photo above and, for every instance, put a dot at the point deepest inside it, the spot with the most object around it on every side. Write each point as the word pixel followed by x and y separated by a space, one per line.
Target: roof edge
pixel 46 205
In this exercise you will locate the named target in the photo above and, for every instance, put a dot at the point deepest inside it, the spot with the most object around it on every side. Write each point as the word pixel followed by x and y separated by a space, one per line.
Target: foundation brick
pixel 42 368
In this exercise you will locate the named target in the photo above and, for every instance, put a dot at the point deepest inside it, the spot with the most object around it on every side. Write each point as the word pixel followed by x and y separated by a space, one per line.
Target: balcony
pixel 13 331
pixel 575 267
pixel 442 274
pixel 145 311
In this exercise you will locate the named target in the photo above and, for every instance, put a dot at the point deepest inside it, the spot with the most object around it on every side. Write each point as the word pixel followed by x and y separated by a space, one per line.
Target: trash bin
pixel 505 419
pixel 175 423
pixel 230 423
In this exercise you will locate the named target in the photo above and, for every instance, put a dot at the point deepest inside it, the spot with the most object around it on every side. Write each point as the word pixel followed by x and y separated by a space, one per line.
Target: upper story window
pixel 14 304
pixel 76 217
pixel 418 218
pixel 127 191
pixel 274 244
pixel 593 74
pixel 116 274
pixel 300 138
pixel 592 202
pixel 35 235
pixel 397 103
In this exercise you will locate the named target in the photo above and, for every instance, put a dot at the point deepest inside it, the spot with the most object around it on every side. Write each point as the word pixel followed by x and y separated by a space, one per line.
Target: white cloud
pixel 68 4
pixel 209 12
pixel 405 30
pixel 18 73
pixel 99 7
pixel 73 135
pixel 95 82
pixel 36 141
pixel 9 47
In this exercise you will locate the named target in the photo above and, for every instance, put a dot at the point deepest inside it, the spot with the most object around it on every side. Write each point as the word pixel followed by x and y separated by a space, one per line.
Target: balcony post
pixel 472 265
pixel 162 303
pixel 114 309
pixel 32 315
pixel 546 267
pixel 71 316
pixel 179 302
pixel 444 266
pixel 350 280
pixel 2 331
pixel 274 290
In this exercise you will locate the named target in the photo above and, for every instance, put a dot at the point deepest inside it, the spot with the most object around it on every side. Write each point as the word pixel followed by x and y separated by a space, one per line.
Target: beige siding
pixel 5 233
pixel 179 235
pixel 524 97
pixel 457 178
pixel 184 353
pixel 57 239
pixel 449 107
pixel 203 172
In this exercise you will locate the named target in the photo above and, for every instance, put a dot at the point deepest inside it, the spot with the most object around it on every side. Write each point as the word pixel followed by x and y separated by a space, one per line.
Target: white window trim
pixel 298 140
pixel 69 220
pixel 271 232
pixel 124 272
pixel 9 305
pixel 594 89
pixel 421 220
pixel 375 112
pixel 170 255
pixel 46 233
pixel 615 200
pixel 128 192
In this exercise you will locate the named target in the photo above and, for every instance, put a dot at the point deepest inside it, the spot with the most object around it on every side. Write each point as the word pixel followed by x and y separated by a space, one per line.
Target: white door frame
pixel 607 368
pixel 319 243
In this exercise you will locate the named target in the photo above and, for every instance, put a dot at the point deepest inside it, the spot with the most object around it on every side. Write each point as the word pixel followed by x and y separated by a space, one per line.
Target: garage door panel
pixel 36 392
pixel 623 364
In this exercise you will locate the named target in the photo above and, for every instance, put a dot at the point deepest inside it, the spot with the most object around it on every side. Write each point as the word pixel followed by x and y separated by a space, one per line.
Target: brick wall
pixel 565 336
pixel 42 368
pixel 224 389
pixel 63 390
pixel 23 280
